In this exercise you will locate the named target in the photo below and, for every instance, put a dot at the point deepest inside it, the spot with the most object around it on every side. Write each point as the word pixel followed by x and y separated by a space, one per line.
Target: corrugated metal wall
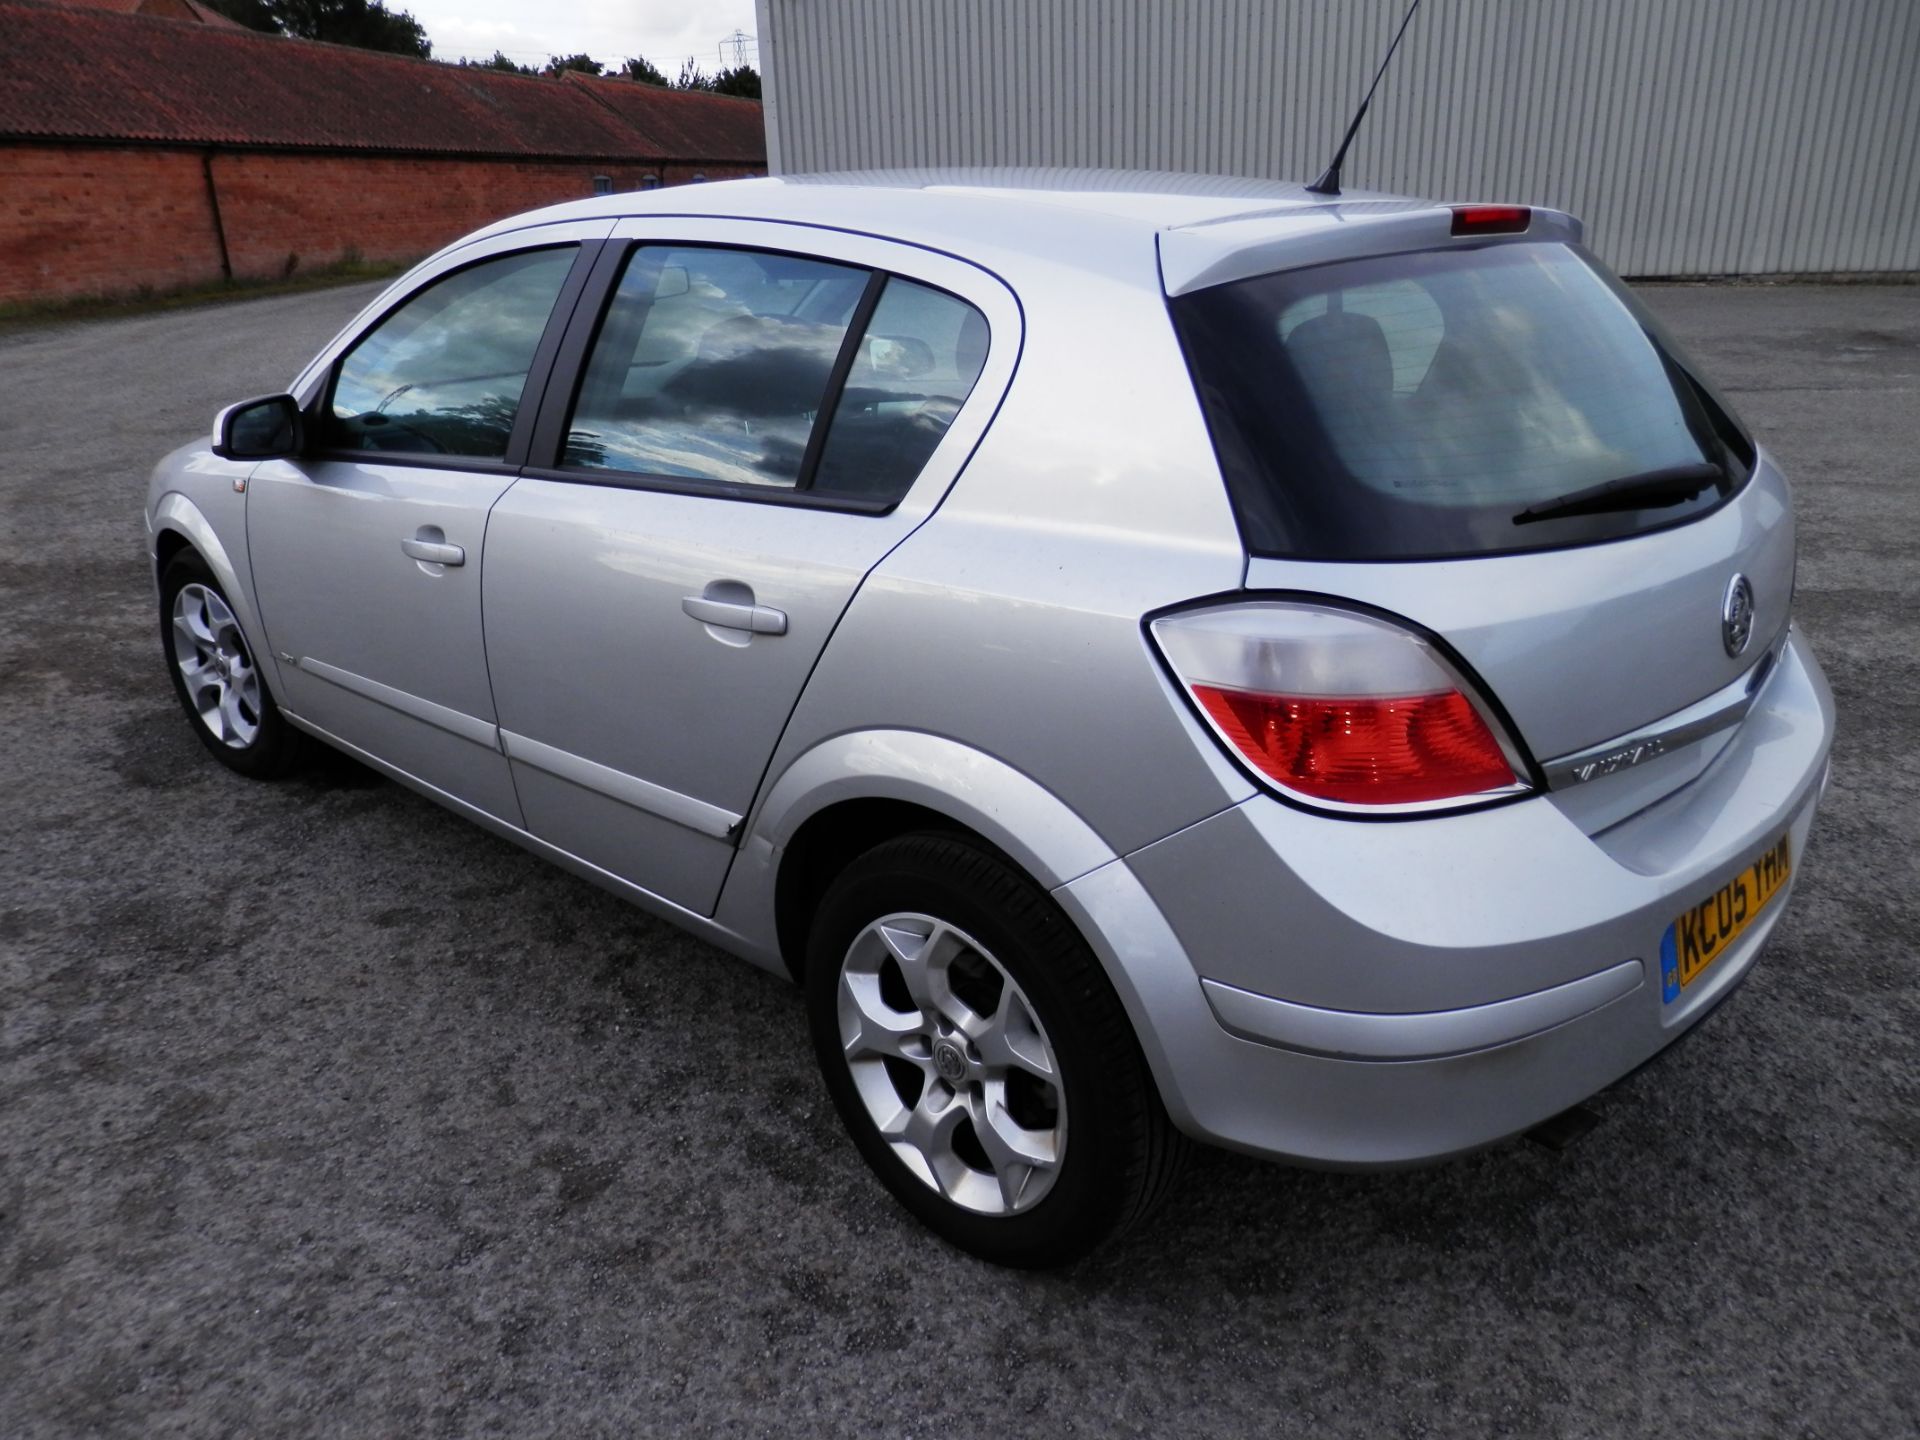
pixel 1695 137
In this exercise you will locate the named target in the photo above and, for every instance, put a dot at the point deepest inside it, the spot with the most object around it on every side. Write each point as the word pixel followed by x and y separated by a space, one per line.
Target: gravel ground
pixel 324 1113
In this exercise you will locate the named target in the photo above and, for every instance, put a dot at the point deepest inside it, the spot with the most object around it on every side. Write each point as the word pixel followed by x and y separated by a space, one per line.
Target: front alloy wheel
pixel 212 666
pixel 216 670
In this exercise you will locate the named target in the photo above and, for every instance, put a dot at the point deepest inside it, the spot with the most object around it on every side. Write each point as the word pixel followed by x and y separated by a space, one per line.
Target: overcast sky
pixel 664 31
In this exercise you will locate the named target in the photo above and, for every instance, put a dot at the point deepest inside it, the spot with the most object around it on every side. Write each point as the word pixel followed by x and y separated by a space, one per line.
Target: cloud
pixel 665 31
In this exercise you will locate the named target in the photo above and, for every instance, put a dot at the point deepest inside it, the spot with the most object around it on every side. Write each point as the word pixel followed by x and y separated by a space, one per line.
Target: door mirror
pixel 265 429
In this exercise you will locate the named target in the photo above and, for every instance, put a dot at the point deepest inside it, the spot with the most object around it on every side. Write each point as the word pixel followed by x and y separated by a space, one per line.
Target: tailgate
pixel 1588 644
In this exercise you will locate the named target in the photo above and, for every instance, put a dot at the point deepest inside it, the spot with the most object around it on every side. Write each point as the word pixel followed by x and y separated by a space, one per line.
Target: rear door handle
pixel 731 615
pixel 433 552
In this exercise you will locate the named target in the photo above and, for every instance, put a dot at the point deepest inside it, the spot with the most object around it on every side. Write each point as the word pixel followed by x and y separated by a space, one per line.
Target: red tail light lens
pixel 1340 709
pixel 1361 750
pixel 1491 219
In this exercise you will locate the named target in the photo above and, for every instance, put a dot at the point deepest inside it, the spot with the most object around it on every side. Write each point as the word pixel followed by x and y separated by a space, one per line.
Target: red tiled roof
pixel 162 9
pixel 95 75
pixel 677 127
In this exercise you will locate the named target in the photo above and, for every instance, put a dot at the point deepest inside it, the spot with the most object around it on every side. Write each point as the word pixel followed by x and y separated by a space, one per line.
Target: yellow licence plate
pixel 1701 935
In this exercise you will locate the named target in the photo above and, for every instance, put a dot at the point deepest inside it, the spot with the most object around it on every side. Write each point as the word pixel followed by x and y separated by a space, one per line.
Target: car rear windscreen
pixel 1465 401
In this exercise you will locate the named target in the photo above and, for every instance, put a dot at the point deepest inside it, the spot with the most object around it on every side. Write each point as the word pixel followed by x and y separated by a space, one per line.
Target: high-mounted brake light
pixel 1491 219
pixel 1340 710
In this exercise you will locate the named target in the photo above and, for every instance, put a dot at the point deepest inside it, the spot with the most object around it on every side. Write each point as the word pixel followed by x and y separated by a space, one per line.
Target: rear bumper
pixel 1353 994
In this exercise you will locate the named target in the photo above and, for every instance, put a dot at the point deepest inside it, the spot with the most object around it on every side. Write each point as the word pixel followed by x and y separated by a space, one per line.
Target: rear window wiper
pixel 1650 489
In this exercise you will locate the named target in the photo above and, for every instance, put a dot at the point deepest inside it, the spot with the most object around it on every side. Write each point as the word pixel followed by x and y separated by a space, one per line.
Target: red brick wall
pixel 82 221
pixel 76 220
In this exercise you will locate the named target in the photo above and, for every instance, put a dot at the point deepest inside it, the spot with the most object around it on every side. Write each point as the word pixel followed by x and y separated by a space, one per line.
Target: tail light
pixel 1341 710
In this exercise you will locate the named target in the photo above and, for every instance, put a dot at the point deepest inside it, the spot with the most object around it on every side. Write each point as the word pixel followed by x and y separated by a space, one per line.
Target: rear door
pixel 761 412
pixel 366 551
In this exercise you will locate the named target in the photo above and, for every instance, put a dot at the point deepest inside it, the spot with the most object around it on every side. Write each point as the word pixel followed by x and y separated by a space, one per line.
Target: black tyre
pixel 980 1057
pixel 215 675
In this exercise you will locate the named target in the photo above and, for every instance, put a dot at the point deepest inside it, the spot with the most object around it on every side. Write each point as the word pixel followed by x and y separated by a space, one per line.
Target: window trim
pixel 532 393
pixel 711 489
pixel 576 348
pixel 836 386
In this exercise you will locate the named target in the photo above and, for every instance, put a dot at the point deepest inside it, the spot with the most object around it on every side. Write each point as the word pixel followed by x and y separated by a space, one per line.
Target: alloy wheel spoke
pixel 1015 1154
pixel 187 640
pixel 929 1128
pixel 869 1026
pixel 923 961
pixel 206 700
pixel 190 614
pixel 198 673
pixel 1006 1141
pixel 1010 1038
pixel 908 947
pixel 235 722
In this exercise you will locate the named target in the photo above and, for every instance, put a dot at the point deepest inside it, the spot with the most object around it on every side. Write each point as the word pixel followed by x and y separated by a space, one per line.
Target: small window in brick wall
pixel 699 177
pixel 603 184
pixel 649 182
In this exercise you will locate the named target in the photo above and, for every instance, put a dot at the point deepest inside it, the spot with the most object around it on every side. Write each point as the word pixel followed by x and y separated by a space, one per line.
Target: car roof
pixel 955 206
pixel 1180 231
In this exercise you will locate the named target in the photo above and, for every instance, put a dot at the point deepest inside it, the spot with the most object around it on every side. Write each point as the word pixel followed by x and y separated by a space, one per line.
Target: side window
pixel 712 364
pixel 917 362
pixel 442 375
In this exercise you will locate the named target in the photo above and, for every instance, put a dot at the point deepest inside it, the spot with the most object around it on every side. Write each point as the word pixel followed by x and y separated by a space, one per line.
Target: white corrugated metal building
pixel 1695 137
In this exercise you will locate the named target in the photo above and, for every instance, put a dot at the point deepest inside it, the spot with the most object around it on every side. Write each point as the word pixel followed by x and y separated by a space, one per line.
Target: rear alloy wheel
pixel 214 674
pixel 979 1056
pixel 952 1065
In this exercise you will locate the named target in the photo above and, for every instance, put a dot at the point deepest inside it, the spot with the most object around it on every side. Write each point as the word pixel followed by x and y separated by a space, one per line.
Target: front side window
pixel 442 375
pixel 1451 402
pixel 712 365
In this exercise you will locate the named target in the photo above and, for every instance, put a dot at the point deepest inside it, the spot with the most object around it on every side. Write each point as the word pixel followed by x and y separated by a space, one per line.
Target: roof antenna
pixel 1329 181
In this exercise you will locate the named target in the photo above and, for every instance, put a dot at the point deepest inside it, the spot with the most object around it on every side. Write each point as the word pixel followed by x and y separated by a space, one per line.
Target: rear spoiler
pixel 1215 252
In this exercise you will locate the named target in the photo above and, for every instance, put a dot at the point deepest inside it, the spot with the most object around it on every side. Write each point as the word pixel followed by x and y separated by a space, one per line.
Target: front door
pixel 753 431
pixel 366 553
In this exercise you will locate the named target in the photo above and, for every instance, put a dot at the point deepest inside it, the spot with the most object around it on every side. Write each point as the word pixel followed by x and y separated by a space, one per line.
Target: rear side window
pixel 713 365
pixel 1420 405
pixel 442 375
pixel 750 368
pixel 916 365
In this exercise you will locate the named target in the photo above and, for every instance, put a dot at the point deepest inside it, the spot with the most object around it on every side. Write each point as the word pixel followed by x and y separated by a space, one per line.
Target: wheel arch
pixel 179 524
pixel 851 792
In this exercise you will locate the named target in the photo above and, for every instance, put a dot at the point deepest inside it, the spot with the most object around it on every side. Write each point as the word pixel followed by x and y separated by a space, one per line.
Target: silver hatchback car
pixel 1156 657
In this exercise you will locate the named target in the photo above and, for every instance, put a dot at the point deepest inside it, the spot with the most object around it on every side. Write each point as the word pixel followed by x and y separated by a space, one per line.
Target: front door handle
pixel 732 615
pixel 433 552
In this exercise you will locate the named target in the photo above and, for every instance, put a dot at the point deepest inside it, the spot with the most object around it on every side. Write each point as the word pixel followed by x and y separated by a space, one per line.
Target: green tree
pixel 640 68
pixel 585 64
pixel 501 61
pixel 365 23
pixel 730 80
pixel 254 14
pixel 742 80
